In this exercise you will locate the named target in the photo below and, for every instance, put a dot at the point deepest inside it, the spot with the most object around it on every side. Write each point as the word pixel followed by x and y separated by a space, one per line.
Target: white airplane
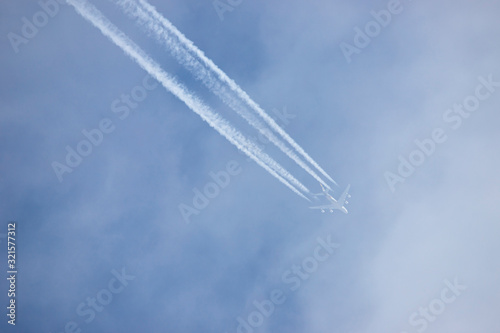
pixel 335 204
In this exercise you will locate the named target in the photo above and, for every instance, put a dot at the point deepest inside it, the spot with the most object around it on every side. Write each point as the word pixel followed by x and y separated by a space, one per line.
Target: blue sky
pixel 117 213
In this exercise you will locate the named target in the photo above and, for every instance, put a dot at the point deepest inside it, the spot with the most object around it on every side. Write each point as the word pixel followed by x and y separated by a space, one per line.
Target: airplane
pixel 335 204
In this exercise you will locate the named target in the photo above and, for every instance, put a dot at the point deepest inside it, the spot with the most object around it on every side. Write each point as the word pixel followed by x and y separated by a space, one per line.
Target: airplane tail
pixel 324 192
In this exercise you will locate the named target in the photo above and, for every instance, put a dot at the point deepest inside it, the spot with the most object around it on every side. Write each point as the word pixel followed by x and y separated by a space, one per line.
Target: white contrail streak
pixel 94 16
pixel 148 19
pixel 181 47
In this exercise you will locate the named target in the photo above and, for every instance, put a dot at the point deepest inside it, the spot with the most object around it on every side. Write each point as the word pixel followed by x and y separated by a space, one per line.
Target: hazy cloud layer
pixel 118 210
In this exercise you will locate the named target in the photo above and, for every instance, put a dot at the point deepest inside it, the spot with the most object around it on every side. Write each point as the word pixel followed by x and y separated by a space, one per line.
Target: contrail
pixel 176 47
pixel 181 47
pixel 94 16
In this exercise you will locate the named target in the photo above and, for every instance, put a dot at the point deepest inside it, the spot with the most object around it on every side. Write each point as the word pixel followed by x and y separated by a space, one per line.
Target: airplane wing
pixel 322 207
pixel 344 195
